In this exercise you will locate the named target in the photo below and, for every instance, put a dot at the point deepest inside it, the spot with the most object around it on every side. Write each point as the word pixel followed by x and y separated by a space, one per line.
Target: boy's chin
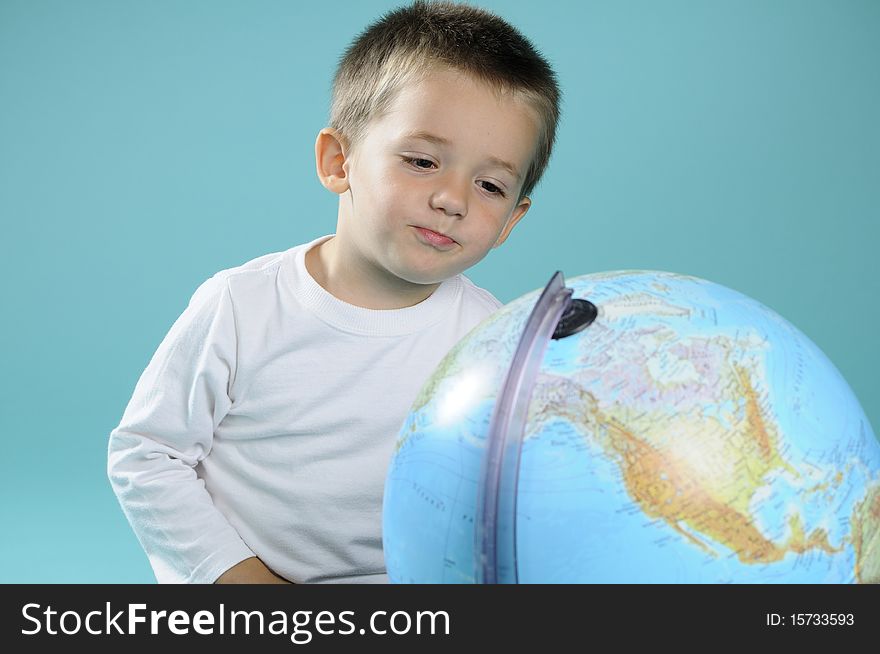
pixel 425 279
pixel 429 275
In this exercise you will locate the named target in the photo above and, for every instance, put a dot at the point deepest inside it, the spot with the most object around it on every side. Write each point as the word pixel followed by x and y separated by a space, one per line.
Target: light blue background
pixel 146 145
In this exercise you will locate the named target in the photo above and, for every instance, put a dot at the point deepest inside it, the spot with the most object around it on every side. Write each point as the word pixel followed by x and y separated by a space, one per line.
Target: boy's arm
pixel 250 571
pixel 166 430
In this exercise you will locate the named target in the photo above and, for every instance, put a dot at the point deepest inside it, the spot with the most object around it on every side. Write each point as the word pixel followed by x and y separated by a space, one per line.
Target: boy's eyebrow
pixel 439 140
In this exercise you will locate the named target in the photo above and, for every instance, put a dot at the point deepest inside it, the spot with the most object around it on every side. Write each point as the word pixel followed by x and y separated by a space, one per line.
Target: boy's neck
pixel 361 285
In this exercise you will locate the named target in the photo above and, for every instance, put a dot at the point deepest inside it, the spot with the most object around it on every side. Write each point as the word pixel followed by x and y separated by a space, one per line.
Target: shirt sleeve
pixel 166 430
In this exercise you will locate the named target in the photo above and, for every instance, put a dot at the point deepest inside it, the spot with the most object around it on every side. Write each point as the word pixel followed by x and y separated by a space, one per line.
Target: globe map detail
pixel 690 434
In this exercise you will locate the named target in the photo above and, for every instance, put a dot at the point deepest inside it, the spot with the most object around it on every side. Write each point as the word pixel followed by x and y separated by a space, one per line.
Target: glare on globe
pixel 687 434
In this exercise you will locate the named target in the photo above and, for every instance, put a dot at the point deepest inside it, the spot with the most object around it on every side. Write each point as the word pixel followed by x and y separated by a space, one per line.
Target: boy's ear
pixel 330 160
pixel 515 217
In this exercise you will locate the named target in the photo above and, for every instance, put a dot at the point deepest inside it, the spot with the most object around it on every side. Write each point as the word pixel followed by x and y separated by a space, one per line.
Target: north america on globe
pixel 690 434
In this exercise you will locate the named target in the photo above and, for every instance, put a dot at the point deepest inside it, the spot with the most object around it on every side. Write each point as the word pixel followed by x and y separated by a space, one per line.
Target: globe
pixel 634 427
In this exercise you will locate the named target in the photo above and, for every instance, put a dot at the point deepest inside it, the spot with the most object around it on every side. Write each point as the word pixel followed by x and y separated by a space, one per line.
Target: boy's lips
pixel 435 239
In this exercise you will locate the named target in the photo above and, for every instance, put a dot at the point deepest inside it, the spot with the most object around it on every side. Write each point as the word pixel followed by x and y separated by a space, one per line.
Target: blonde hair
pixel 407 44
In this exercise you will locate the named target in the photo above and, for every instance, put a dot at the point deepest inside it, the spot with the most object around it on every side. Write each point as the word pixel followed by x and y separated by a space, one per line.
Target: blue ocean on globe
pixel 688 435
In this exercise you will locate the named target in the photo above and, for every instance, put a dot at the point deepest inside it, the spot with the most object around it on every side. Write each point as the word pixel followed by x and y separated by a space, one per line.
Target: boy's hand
pixel 250 571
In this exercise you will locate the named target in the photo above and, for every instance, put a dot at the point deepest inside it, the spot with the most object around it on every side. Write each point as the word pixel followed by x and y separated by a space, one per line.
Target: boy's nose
pixel 451 197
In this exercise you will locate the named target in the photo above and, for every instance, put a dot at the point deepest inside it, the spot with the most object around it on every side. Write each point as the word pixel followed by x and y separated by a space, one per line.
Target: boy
pixel 255 446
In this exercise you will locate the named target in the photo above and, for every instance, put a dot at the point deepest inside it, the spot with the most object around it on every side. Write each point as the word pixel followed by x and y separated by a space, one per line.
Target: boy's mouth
pixel 435 239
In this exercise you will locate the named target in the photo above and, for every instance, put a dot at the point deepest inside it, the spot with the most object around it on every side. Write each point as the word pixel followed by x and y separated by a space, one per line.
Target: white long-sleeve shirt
pixel 265 421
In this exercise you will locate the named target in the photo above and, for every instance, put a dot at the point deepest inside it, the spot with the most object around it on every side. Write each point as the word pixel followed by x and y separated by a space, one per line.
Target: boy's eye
pixel 426 164
pixel 419 163
pixel 491 188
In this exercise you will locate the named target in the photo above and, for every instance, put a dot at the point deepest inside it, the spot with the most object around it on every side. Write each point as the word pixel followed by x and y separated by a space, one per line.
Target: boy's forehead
pixel 451 109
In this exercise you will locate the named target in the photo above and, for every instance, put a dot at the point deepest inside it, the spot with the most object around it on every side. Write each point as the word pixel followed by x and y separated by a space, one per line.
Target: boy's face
pixel 434 184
